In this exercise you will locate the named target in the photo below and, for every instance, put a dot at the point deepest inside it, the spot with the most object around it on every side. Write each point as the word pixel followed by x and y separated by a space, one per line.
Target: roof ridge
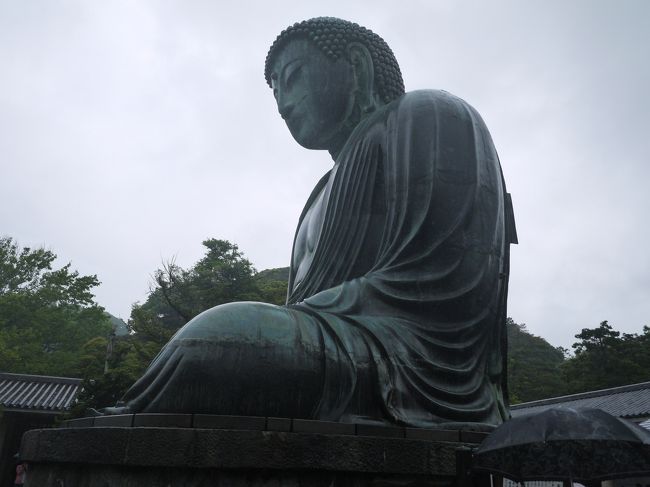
pixel 582 395
pixel 39 378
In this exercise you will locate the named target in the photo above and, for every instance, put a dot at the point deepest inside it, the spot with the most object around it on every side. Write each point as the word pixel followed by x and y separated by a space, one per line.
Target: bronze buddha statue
pixel 396 305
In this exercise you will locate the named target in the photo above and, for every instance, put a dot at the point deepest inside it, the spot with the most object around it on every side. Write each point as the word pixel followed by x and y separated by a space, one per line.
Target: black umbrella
pixel 583 445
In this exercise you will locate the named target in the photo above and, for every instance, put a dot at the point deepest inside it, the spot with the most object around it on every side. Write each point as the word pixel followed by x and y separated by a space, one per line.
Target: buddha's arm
pixel 441 236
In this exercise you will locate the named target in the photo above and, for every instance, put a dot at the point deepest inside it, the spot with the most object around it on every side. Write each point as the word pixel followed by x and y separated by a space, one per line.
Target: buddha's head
pixel 327 74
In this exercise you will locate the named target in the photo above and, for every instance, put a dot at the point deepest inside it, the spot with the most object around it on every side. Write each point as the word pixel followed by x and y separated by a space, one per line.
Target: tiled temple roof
pixel 632 401
pixel 38 392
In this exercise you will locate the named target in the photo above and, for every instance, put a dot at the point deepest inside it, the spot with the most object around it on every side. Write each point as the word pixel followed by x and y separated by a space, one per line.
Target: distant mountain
pixel 277 274
pixel 533 366
pixel 273 284
pixel 119 326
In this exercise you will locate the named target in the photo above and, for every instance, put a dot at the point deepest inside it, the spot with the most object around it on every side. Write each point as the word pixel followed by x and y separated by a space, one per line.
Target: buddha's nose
pixel 285 104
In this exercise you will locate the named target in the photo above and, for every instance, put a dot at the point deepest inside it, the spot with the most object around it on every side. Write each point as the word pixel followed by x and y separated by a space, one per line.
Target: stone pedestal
pixel 194 450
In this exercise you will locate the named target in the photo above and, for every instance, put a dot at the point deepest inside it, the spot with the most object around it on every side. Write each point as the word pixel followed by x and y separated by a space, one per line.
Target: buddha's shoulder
pixel 429 102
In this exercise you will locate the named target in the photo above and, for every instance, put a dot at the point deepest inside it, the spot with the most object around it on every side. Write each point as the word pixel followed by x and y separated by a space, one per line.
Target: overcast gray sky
pixel 130 131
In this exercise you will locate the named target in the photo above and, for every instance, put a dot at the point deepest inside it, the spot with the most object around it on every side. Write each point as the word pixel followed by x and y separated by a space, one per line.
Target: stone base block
pixel 148 456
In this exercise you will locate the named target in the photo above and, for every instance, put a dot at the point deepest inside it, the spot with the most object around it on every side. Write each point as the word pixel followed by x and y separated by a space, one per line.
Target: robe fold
pixel 410 270
pixel 396 316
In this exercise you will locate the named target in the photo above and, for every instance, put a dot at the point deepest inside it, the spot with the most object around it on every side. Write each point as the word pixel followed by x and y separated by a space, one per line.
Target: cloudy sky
pixel 130 131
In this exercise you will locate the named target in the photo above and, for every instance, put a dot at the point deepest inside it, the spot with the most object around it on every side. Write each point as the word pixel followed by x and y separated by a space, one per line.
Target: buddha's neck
pixel 336 150
pixel 349 126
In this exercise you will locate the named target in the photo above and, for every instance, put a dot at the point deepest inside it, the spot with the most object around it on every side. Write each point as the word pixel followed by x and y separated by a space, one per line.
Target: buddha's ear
pixel 364 74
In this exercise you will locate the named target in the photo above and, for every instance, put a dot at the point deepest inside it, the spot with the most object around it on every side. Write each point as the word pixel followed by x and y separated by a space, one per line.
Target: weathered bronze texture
pixel 397 294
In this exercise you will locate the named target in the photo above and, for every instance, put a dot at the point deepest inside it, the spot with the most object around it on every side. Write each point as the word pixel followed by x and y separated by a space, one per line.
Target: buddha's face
pixel 315 94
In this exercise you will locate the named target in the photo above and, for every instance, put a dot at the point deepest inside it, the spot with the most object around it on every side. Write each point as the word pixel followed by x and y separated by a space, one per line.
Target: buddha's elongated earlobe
pixel 363 68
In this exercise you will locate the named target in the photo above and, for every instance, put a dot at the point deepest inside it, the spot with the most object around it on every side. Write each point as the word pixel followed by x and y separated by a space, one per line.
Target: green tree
pixel 606 358
pixel 223 275
pixel 597 340
pixel 46 314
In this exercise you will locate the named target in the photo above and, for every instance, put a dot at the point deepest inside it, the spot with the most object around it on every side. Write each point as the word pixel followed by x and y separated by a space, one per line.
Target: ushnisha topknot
pixel 332 36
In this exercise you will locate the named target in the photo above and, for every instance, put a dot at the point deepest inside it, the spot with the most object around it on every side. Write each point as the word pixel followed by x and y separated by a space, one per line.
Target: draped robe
pixel 399 300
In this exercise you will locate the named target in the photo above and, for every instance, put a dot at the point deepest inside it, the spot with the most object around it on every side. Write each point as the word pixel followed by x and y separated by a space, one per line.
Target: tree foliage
pixel 606 358
pixel 223 275
pixel 46 314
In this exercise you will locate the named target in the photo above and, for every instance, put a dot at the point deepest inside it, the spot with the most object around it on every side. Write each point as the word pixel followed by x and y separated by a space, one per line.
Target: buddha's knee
pixel 258 356
pixel 251 323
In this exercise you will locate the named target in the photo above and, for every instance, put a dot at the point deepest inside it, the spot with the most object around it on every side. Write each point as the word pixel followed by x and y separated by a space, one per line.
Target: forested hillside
pixel 533 366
